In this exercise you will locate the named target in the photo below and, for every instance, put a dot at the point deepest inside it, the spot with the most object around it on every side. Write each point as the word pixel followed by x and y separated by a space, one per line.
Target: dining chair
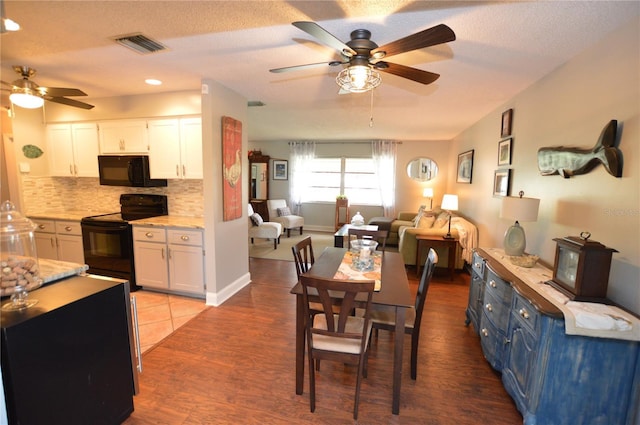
pixel 303 255
pixel 334 333
pixel 379 236
pixel 385 319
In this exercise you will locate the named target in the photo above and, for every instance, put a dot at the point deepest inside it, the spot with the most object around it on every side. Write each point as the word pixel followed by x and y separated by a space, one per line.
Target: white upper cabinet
pixel 175 148
pixel 73 149
pixel 124 137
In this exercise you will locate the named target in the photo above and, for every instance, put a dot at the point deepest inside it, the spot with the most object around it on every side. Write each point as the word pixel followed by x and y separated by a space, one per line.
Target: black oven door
pixel 108 249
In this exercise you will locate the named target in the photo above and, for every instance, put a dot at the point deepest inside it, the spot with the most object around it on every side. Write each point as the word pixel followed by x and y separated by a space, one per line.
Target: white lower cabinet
pixel 59 240
pixel 169 259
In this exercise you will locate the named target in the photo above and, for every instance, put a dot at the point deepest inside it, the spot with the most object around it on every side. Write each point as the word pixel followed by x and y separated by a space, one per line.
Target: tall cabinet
pixel 554 378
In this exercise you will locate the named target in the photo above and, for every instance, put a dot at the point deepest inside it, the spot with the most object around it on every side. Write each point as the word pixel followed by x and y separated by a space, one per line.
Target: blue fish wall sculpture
pixel 573 161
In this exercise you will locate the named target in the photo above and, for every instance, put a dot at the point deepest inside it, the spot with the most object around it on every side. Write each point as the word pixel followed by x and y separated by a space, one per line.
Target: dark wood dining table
pixel 394 293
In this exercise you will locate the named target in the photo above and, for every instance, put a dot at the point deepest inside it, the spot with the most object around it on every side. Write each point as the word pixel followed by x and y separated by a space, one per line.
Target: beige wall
pixel 569 107
pixel 227 257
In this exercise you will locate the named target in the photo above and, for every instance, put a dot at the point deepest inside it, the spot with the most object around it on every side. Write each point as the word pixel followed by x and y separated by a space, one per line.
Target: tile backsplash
pixel 59 194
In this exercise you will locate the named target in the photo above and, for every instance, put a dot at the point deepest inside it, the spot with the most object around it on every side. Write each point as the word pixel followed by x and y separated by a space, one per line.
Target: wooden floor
pixel 234 364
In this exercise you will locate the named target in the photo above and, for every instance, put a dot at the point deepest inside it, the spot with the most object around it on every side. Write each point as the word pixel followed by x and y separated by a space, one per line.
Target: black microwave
pixel 126 170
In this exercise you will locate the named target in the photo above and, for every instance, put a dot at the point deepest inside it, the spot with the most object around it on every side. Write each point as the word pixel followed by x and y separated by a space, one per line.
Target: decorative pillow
pixel 426 222
pixel 443 218
pixel 284 211
pixel 256 219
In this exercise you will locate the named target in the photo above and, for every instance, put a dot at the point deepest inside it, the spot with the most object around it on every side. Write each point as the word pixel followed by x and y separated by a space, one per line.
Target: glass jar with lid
pixel 19 268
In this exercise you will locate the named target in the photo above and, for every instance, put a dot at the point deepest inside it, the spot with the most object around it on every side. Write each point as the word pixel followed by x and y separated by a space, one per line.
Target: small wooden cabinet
pixel 123 137
pixel 342 213
pixel 59 240
pixel 554 378
pixel 73 149
pixel 169 259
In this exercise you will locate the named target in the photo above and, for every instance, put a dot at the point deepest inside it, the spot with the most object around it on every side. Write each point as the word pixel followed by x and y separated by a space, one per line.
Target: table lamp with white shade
pixel 449 203
pixel 428 193
pixel 518 209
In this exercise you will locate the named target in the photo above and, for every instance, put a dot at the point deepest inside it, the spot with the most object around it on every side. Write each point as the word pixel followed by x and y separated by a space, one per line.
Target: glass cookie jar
pixel 19 268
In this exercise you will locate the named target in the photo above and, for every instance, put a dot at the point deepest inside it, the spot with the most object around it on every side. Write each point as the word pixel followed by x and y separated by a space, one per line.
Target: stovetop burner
pixel 134 207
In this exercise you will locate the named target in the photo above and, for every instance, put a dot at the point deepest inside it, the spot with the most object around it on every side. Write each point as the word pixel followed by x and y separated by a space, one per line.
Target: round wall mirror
pixel 422 169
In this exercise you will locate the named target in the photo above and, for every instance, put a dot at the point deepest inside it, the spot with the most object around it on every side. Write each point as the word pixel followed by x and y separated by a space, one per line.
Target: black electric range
pixel 108 239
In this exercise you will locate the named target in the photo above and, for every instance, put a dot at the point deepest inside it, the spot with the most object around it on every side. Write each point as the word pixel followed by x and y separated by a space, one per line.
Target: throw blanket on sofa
pixel 468 234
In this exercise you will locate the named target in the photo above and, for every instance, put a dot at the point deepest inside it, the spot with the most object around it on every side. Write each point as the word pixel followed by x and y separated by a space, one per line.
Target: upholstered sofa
pixel 435 223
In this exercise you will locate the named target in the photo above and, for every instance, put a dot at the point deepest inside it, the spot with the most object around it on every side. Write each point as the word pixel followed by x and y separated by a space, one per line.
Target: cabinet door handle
pixel 484 332
pixel 68 228
pixel 184 238
pixel 506 341
pixel 489 307
pixel 75 169
pixel 163 254
pixel 169 252
pixel 149 235
pixel 492 283
pixel 71 169
pixel 524 313
pixel 476 265
pixel 41 226
pixel 177 170
pixel 184 170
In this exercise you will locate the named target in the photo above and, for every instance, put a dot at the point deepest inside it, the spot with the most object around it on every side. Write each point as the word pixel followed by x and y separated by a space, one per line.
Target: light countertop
pixel 66 215
pixel 171 221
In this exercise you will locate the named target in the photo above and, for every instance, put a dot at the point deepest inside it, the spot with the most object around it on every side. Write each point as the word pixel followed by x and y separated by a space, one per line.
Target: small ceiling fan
pixel 364 57
pixel 33 95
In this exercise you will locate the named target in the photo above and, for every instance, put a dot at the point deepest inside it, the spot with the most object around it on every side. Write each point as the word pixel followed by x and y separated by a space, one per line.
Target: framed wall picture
pixel 280 169
pixel 504 151
pixel 465 167
pixel 507 118
pixel 501 182
pixel 232 204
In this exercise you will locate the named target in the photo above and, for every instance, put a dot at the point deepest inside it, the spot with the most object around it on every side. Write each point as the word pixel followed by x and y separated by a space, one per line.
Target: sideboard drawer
pixel 478 264
pixel 525 312
pixel 497 286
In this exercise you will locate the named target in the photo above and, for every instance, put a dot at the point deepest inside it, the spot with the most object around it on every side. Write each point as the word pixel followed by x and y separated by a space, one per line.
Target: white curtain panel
pixel 302 153
pixel 384 158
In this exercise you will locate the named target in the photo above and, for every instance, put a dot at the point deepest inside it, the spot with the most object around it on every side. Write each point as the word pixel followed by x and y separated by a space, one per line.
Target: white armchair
pixel 263 229
pixel 280 213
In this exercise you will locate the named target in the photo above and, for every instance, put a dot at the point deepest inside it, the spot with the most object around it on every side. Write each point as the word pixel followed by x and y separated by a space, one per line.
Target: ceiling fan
pixel 364 57
pixel 28 94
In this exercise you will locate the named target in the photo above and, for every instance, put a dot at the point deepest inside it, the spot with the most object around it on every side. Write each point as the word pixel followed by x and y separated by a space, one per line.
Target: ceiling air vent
pixel 140 43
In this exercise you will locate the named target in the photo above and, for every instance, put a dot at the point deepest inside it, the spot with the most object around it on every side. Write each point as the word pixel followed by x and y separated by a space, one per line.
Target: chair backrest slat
pixel 423 285
pixel 303 255
pixel 338 299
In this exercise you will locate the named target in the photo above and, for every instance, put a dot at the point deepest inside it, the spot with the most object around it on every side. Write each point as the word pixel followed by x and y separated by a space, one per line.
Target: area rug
pixel 262 248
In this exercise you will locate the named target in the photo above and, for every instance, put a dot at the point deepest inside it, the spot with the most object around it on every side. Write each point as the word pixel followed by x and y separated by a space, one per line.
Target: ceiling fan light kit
pixel 24 98
pixel 358 79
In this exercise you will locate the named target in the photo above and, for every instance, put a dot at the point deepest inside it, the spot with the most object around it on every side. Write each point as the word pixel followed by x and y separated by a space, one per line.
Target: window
pixel 353 177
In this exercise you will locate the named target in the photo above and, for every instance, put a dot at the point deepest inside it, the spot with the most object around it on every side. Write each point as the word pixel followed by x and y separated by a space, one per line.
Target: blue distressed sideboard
pixel 553 377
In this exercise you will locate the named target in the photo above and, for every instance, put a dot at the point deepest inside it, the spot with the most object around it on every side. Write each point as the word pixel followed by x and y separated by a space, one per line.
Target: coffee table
pixel 338 237
pixel 433 242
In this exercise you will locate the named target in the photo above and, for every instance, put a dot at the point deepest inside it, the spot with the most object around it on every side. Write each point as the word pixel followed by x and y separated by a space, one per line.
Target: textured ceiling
pixel 501 49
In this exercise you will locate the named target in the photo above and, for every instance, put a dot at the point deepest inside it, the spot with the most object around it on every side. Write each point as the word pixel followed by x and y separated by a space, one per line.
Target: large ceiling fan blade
pixel 69 102
pixel 429 37
pixel 325 36
pixel 60 91
pixel 309 65
pixel 6 84
pixel 415 74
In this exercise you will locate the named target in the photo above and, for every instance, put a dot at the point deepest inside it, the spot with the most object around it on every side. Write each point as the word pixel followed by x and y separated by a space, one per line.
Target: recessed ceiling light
pixel 153 82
